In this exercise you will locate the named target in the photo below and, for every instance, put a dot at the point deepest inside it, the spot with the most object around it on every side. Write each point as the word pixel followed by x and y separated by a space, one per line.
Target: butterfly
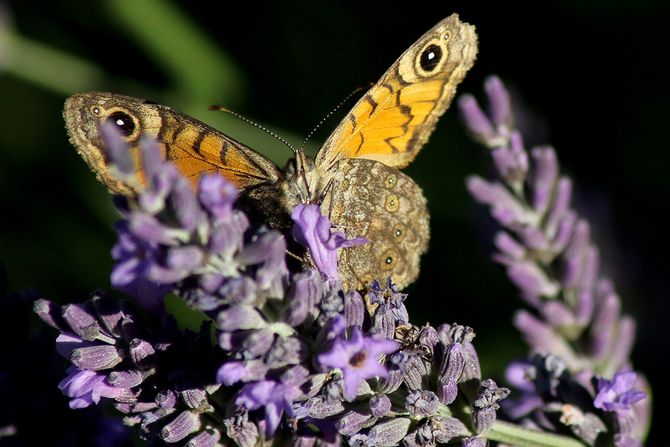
pixel 355 176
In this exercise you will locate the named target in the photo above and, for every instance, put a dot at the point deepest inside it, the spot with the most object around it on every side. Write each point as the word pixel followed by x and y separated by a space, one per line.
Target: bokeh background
pixel 589 77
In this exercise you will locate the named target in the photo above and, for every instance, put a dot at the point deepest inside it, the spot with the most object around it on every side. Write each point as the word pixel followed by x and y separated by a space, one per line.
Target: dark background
pixel 591 78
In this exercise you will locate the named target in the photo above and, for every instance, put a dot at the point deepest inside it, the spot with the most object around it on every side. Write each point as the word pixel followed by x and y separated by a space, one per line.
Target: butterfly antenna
pixel 329 114
pixel 258 126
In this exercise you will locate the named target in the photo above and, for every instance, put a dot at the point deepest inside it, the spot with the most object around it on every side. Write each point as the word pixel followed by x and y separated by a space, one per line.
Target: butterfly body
pixel 354 177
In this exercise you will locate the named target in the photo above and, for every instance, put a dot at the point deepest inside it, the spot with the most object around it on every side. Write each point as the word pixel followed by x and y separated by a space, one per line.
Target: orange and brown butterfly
pixel 355 176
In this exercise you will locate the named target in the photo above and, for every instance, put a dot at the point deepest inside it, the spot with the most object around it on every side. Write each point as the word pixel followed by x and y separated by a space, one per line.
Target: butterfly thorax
pixel 271 204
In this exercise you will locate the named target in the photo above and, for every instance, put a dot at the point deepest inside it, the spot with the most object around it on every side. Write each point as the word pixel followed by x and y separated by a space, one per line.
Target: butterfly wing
pixel 393 120
pixel 194 147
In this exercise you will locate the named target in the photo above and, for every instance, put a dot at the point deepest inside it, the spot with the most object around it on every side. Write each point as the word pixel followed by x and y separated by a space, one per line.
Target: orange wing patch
pixel 394 119
pixel 196 149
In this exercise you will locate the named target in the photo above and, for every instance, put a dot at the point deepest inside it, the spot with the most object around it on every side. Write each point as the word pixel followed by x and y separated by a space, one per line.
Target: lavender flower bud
pixel 321 408
pixel 395 364
pixel 96 358
pixel 209 438
pixel 246 371
pixel 390 433
pixel 239 317
pixel 512 162
pixel 180 427
pixel 354 309
pixel 451 369
pixel 422 403
pixel 141 352
pixel 475 442
pixel 445 428
pixel 380 405
pixel 51 314
pixel 241 431
pixel 286 351
pixel 532 281
pixel 542 338
pixel 126 379
pixel 352 422
pixel 546 173
pixel 415 370
pixel 305 291
pixel 196 399
pixel 257 343
pixel 476 121
pixel 167 399
pixel 486 404
pixel 499 102
pixel 82 321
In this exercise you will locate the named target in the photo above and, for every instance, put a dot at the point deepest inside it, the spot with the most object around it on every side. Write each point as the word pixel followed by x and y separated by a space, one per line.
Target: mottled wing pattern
pixel 393 120
pixel 386 207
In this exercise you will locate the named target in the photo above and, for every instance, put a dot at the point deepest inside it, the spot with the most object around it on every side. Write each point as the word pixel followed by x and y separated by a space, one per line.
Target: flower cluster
pixel 295 357
pixel 580 378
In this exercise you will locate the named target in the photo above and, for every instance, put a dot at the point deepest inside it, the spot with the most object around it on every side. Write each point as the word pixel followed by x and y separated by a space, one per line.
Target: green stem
pixel 524 437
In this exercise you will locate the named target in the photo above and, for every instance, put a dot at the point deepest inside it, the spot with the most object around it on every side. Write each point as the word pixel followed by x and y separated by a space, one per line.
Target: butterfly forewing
pixel 194 147
pixel 393 120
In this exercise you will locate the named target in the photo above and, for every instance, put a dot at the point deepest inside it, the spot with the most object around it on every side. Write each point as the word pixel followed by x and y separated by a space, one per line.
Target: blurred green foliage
pixel 592 77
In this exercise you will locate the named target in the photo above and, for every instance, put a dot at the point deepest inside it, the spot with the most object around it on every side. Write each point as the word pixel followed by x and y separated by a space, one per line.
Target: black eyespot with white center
pixel 123 121
pixel 430 57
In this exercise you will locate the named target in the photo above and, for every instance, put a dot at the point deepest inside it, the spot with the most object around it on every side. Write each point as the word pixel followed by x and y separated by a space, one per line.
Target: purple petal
pixel 313 230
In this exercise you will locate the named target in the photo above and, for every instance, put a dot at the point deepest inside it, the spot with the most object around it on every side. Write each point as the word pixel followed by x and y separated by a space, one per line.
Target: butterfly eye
pixel 123 121
pixel 430 57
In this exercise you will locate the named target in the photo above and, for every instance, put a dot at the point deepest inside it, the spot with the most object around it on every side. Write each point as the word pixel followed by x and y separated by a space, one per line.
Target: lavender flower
pixel 358 358
pixel 116 359
pixel 618 394
pixel 296 357
pixel 576 314
pixel 312 230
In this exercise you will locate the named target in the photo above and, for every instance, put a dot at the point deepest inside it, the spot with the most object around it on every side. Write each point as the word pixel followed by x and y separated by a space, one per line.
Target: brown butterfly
pixel 354 177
